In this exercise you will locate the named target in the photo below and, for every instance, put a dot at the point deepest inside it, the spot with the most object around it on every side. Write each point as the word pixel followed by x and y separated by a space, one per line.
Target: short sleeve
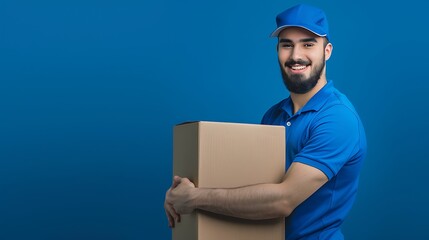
pixel 334 137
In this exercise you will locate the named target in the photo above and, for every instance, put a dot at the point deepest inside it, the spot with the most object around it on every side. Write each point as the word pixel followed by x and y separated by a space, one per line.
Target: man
pixel 325 144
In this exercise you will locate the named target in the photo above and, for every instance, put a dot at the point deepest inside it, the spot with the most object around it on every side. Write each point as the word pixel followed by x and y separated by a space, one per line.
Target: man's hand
pixel 179 199
pixel 172 216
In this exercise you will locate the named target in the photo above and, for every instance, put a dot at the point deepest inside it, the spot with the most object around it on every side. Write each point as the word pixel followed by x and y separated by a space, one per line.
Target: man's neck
pixel 299 100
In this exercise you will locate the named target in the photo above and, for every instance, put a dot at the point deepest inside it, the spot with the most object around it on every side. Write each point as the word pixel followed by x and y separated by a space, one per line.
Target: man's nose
pixel 296 53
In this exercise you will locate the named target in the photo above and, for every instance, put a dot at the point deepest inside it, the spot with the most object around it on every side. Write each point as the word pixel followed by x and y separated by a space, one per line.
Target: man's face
pixel 302 59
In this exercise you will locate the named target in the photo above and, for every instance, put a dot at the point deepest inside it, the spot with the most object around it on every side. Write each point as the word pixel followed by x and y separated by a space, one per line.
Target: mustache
pixel 291 62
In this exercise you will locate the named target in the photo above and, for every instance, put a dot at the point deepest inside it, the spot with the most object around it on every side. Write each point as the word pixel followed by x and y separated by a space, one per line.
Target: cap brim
pixel 279 29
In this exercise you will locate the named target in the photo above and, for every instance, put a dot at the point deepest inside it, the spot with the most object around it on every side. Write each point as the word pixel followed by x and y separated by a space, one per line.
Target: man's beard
pixel 296 83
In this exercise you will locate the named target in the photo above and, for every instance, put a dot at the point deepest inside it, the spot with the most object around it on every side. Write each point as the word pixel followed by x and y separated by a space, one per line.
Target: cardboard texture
pixel 228 155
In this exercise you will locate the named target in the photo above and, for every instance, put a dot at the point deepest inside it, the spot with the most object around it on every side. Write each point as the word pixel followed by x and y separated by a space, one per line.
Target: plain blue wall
pixel 90 91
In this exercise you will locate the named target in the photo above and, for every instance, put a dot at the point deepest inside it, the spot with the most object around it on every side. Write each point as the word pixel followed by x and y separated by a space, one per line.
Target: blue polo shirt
pixel 326 134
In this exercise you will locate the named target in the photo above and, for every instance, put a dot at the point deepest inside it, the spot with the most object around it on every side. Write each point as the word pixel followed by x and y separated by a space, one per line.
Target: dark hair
pixel 325 42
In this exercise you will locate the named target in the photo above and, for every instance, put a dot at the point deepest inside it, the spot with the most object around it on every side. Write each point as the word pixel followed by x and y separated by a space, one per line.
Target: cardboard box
pixel 228 155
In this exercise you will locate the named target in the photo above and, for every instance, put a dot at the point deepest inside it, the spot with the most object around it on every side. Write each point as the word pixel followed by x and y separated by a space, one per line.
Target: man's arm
pixel 261 201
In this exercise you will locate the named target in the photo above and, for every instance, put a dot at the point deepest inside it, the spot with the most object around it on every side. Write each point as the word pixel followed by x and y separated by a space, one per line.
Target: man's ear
pixel 328 51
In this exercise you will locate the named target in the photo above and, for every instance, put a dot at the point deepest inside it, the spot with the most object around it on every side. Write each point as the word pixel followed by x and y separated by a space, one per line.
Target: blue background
pixel 90 92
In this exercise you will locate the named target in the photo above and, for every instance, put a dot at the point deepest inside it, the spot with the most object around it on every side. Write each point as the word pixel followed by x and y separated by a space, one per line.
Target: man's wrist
pixel 195 198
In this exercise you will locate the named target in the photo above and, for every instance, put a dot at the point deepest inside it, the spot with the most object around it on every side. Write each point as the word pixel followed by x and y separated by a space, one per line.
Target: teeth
pixel 298 67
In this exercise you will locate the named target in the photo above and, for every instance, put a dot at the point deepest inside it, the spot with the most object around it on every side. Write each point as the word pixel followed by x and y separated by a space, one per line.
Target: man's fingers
pixel 187 181
pixel 176 181
pixel 172 215
pixel 178 218
pixel 170 219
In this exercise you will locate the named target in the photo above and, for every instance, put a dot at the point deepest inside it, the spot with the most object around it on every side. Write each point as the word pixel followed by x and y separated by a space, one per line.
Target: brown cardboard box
pixel 228 155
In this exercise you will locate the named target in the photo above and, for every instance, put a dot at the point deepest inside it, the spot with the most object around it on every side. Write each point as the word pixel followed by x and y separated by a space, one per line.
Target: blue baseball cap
pixel 304 16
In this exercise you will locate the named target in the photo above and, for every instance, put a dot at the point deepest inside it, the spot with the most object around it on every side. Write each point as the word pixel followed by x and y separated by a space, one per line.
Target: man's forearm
pixel 263 201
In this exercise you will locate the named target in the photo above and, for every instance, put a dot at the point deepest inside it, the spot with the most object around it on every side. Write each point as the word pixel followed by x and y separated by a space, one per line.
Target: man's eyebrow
pixel 301 40
pixel 285 40
pixel 308 40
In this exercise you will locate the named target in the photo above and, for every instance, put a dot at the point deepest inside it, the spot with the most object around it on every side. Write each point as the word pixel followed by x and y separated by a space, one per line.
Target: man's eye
pixel 286 45
pixel 307 45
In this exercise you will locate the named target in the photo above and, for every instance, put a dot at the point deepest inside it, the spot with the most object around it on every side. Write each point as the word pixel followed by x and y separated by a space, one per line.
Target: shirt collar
pixel 314 104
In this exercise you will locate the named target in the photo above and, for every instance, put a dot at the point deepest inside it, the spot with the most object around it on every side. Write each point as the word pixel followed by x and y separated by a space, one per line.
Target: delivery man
pixel 325 144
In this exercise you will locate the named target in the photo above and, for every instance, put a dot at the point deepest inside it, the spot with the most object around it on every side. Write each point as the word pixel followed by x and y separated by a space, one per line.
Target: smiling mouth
pixel 298 67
